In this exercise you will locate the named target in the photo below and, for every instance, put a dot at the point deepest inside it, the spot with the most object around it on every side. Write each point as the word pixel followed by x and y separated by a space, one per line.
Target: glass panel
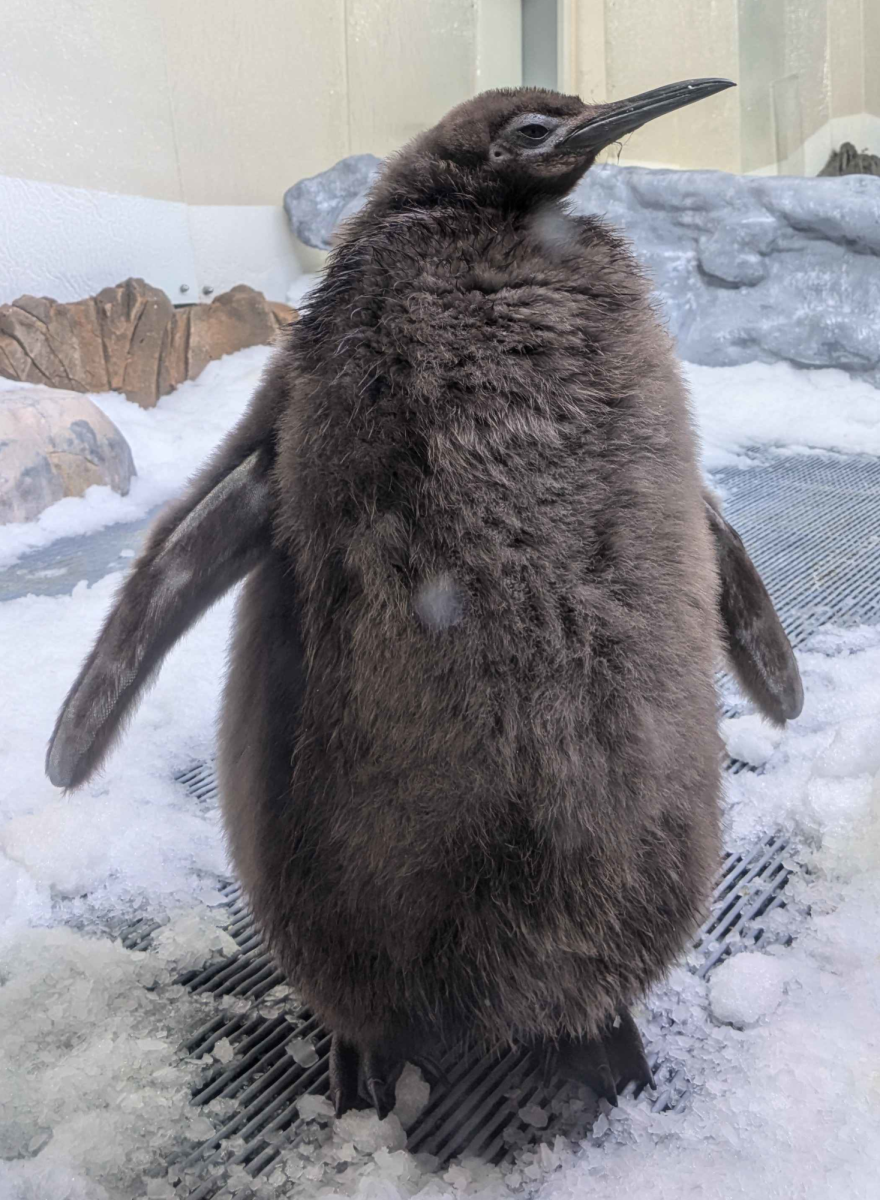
pixel 539 45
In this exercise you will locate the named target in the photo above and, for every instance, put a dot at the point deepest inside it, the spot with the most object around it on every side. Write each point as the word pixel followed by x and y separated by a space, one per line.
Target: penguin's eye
pixel 534 133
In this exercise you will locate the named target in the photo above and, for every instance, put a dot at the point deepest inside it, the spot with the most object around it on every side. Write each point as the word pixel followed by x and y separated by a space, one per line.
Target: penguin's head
pixel 526 145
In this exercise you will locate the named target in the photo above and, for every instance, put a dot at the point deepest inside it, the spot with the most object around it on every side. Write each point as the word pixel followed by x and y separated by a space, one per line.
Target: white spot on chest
pixel 439 603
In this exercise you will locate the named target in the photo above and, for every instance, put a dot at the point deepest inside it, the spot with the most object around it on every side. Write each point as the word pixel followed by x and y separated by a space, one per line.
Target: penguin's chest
pixel 460 598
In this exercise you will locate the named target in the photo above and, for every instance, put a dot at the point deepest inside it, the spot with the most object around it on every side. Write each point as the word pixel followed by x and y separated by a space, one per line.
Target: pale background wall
pixel 157 137
pixel 806 72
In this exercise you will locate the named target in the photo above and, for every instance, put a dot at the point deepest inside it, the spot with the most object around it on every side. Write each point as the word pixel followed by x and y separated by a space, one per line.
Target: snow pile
pixel 750 739
pixel 746 988
pixel 168 443
pixel 741 410
pixel 92 1087
pixel 131 836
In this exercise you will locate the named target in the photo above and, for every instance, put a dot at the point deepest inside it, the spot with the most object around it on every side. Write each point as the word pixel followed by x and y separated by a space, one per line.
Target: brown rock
pixel 136 327
pixel 146 368
pixel 179 352
pixel 119 340
pixel 58 343
pixel 283 313
pixel 846 160
pixel 55 443
pixel 118 310
pixel 129 338
pixel 238 318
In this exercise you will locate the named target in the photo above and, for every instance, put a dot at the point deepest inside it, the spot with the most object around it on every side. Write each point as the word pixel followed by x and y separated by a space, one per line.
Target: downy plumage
pixel 469 760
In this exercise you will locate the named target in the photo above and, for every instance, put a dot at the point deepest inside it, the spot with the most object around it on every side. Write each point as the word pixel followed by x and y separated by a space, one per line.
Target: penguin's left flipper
pixel 194 555
pixel 757 646
pixel 606 1064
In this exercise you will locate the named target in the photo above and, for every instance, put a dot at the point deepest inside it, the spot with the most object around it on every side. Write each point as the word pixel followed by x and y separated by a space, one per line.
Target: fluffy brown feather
pixel 506 826
pixel 469 760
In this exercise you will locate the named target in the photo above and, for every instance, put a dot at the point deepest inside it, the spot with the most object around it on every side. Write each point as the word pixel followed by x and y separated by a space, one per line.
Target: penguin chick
pixel 469 760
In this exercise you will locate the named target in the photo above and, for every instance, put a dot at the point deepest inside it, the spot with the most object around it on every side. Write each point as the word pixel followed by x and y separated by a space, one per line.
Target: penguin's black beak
pixel 613 121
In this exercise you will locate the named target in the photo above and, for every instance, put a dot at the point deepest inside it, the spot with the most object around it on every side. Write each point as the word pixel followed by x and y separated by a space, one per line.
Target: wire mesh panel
pixel 810 524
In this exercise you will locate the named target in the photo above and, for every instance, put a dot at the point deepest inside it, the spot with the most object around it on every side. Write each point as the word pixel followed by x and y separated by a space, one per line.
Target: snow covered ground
pixel 783 1046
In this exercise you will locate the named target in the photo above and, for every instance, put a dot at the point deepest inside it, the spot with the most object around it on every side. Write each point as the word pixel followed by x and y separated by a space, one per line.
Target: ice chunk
pixel 311 1107
pixel 368 1133
pixel 199 1128
pixel 458 1178
pixel 397 1165
pixel 534 1115
pixel 191 939
pixel 750 739
pixel 223 1051
pixel 747 987
pixel 601 1125
pixel 413 1093
pixel 302 1051
pixel 160 1189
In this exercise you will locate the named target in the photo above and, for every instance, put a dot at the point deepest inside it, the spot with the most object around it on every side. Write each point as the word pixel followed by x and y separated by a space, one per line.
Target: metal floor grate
pixel 812 526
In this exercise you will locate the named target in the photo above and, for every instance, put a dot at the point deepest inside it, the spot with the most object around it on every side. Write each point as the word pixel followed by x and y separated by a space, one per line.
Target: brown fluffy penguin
pixel 469 759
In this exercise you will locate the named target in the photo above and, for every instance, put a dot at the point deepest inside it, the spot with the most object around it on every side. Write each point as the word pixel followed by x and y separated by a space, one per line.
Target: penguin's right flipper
pixel 757 646
pixel 196 551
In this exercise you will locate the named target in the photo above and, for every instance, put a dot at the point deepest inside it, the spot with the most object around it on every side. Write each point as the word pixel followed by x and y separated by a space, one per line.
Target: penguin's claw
pixel 383 1102
pixel 344 1064
pixel 358 1079
pixel 626 1053
pixel 606 1064
pixel 380 1071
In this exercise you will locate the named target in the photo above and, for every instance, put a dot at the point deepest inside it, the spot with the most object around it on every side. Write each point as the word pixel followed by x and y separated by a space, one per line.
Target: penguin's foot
pixel 359 1079
pixel 607 1064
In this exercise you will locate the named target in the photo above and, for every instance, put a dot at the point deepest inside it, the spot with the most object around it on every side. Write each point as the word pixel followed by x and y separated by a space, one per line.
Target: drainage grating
pixel 809 523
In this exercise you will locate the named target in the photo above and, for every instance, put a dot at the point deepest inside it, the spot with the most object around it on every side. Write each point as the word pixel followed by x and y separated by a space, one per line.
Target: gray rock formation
pixel 55 443
pixel 774 268
pixel 768 268
pixel 316 206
